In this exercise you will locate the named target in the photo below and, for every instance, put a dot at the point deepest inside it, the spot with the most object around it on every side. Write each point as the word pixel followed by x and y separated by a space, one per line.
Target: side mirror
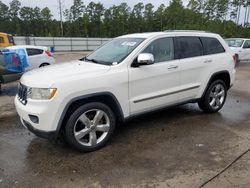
pixel 145 59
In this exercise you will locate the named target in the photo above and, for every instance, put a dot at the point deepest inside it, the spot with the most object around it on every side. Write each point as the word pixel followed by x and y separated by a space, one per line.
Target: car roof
pixel 237 39
pixel 27 46
pixel 141 35
pixel 3 34
pixel 170 33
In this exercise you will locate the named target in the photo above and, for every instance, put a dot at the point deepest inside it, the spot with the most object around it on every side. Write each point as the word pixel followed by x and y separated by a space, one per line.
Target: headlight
pixel 41 93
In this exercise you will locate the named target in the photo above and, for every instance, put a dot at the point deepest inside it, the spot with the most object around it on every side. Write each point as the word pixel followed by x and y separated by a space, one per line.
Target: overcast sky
pixel 53 5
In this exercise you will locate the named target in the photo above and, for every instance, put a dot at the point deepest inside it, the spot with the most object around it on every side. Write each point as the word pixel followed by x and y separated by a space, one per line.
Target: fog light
pixel 34 119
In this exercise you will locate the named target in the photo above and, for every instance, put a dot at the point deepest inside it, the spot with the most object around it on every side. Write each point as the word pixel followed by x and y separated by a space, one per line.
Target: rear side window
pixel 211 46
pixel 189 47
pixel 11 39
pixel 32 51
pixel 162 49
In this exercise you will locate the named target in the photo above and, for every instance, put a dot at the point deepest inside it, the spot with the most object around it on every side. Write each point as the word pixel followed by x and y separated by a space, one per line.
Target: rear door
pixel 200 56
pixel 157 85
pixel 193 66
pixel 35 57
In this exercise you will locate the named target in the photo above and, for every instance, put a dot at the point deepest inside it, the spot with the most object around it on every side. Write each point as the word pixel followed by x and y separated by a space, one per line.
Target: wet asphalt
pixel 176 147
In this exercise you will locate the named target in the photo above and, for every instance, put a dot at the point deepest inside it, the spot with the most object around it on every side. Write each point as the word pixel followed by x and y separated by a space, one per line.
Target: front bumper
pixel 46 126
pixel 43 134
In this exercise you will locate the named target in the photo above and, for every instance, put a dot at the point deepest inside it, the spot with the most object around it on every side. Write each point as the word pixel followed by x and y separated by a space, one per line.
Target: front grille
pixel 22 93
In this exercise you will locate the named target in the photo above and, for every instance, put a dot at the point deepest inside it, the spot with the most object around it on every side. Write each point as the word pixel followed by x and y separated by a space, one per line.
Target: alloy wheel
pixel 92 127
pixel 217 96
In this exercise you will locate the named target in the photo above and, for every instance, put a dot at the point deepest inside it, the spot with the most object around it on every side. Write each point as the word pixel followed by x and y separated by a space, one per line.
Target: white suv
pixel 241 48
pixel 130 75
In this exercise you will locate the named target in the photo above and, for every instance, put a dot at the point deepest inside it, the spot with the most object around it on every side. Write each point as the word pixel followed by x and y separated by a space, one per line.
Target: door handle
pixel 208 61
pixel 173 67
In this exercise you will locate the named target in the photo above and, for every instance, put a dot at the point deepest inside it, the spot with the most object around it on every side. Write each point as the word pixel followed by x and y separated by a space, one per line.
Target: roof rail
pixel 199 31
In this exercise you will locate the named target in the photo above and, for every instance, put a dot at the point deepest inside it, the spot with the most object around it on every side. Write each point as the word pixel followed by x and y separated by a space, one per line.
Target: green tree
pixel 4 17
pixel 95 12
pixel 77 9
pixel 26 16
pixel 120 15
pixel 136 18
pixel 159 18
pixel 149 17
pixel 172 13
pixel 46 18
pixel 14 9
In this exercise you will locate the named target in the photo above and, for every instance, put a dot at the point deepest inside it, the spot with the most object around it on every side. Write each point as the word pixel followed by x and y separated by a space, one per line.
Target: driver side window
pixel 162 49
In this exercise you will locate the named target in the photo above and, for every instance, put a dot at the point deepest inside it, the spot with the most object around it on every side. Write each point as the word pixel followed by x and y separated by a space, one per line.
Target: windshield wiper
pixel 92 60
pixel 96 61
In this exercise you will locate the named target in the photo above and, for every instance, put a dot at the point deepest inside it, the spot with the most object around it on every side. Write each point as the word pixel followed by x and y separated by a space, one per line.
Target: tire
pixel 90 127
pixel 214 97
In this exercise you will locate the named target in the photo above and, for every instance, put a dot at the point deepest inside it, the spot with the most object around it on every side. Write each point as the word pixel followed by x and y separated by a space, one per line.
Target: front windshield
pixel 234 42
pixel 115 51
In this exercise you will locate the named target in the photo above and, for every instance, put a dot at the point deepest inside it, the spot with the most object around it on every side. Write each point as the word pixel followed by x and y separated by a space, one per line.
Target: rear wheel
pixel 90 127
pixel 214 97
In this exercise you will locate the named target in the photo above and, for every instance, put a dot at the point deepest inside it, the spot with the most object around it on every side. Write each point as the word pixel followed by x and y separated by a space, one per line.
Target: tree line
pixel 230 18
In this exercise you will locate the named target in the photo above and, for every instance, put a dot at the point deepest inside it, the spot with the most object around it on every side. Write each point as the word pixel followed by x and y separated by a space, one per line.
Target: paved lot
pixel 177 147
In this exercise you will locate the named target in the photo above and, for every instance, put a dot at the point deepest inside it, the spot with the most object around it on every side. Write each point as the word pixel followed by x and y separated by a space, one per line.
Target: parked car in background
pixel 35 57
pixel 128 76
pixel 38 56
pixel 241 47
pixel 6 40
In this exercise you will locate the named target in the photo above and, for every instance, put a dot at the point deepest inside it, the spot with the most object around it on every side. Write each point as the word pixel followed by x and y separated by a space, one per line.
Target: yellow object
pixel 6 40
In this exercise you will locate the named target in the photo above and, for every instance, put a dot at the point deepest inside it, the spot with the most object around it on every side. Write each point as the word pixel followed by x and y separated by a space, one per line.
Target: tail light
pixel 235 59
pixel 48 53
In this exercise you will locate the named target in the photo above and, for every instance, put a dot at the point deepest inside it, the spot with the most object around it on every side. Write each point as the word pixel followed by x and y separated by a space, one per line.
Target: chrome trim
pixel 165 94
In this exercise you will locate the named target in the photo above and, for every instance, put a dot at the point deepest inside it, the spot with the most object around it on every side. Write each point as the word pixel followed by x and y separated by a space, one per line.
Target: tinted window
pixel 32 51
pixel 1 40
pixel 162 49
pixel 190 47
pixel 11 39
pixel 247 44
pixel 211 46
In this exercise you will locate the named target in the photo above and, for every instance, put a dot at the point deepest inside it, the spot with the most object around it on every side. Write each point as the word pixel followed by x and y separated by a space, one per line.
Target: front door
pixel 154 86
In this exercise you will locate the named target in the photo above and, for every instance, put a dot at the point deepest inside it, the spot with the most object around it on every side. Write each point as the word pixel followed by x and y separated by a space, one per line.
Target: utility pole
pixel 61 15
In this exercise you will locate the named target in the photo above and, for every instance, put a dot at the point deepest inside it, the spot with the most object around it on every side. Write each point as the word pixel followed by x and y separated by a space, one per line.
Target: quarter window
pixel 32 51
pixel 211 46
pixel 190 47
pixel 162 49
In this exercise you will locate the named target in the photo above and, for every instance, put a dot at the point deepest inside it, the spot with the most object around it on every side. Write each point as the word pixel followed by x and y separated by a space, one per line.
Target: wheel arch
pixel 44 63
pixel 221 75
pixel 104 97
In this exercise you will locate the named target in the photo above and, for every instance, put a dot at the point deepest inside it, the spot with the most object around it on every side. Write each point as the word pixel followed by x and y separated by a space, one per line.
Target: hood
pixel 235 49
pixel 49 75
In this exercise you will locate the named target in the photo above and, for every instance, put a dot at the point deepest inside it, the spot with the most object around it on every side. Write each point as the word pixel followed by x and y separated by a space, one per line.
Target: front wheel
pixel 90 127
pixel 214 97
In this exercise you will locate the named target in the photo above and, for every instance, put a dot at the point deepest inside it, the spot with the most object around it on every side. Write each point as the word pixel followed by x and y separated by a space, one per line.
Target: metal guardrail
pixel 63 43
